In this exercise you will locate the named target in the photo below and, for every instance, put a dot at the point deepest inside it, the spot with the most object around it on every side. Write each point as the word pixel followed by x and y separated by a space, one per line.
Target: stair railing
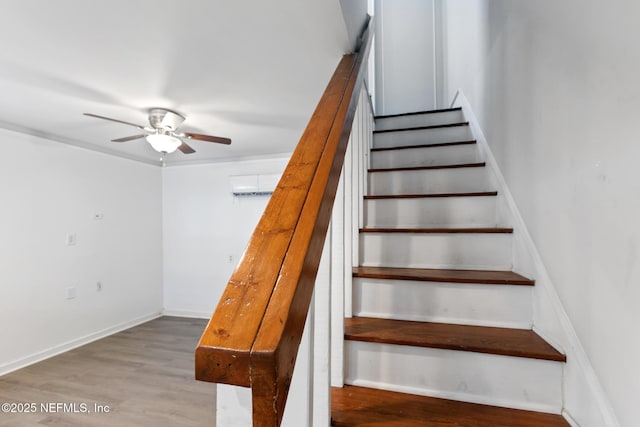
pixel 253 336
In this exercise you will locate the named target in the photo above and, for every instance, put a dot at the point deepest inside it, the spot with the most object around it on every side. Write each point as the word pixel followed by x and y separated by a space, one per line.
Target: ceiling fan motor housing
pixel 161 118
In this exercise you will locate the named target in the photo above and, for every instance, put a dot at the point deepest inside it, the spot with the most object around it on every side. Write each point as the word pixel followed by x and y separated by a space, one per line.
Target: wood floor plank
pixel 353 406
pixel 481 339
pixel 144 374
pixel 443 275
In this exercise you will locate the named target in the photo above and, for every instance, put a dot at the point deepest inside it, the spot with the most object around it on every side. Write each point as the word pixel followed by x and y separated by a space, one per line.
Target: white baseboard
pixel 187 313
pixel 574 350
pixel 70 345
pixel 570 420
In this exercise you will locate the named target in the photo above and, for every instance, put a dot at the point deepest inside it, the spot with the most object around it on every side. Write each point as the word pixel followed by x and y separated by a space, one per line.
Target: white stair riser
pixel 471 211
pixel 426 156
pixel 421 136
pixel 415 120
pixel 472 179
pixel 490 251
pixel 505 306
pixel 473 377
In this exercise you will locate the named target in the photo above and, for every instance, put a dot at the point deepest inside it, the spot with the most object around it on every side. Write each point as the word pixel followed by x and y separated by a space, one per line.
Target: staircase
pixel 441 333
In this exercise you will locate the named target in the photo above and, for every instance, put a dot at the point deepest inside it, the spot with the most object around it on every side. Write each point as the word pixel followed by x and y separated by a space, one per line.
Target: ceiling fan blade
pixel 185 148
pixel 113 120
pixel 208 138
pixel 128 138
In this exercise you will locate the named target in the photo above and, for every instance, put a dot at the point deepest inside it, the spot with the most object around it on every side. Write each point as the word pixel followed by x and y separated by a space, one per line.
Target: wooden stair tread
pixel 434 167
pixel 439 144
pixel 432 195
pixel 359 406
pixel 451 230
pixel 413 113
pixel 448 125
pixel 480 339
pixel 443 275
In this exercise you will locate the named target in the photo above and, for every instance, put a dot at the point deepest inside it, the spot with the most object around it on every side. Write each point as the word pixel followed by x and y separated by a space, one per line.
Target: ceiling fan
pixel 162 135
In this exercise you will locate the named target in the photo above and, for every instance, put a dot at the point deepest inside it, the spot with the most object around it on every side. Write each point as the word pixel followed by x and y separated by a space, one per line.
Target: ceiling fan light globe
pixel 163 143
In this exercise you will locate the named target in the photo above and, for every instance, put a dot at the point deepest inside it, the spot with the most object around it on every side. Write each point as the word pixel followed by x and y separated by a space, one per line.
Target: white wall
pixel 555 88
pixel 48 190
pixel 355 15
pixel 204 225
pixel 405 56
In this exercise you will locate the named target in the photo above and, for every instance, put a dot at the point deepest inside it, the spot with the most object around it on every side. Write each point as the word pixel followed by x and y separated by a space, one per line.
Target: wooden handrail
pixel 253 336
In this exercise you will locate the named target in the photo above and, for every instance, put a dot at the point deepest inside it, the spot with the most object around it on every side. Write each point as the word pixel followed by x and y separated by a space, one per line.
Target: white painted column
pixel 359 164
pixel 338 267
pixel 320 317
pixel 351 219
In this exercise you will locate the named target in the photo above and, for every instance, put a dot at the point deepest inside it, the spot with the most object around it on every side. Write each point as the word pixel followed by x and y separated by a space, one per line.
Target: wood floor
pixel 145 375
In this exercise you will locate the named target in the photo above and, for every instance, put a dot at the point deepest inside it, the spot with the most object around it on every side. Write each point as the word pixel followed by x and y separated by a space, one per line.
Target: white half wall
pixel 112 208
pixel 555 88
pixel 206 230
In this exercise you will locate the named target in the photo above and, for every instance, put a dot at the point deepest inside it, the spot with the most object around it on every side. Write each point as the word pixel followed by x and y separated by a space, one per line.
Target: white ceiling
pixel 249 70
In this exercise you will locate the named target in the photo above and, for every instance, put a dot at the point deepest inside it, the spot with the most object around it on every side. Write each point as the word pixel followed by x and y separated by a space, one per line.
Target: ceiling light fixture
pixel 163 143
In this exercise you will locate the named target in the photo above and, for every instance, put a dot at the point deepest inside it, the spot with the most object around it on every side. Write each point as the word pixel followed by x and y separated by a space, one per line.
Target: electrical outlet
pixel 98 286
pixel 70 292
pixel 72 239
pixel 230 259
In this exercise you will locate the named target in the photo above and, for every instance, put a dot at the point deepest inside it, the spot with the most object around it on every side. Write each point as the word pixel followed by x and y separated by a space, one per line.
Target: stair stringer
pixel 584 401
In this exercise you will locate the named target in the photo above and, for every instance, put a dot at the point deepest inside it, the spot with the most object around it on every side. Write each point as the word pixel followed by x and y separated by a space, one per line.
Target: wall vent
pixel 253 185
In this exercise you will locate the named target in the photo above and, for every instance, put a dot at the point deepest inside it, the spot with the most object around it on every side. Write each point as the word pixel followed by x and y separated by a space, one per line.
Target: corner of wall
pixel 585 402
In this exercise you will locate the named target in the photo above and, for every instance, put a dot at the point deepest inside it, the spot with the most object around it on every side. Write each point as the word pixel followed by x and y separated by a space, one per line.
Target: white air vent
pixel 253 185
